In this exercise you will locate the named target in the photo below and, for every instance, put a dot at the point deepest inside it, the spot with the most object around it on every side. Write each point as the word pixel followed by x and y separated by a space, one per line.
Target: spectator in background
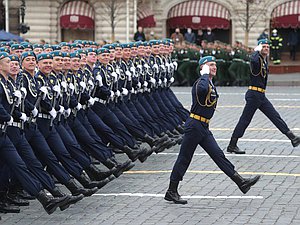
pixel 152 36
pixel 199 37
pixel 292 43
pixel 177 37
pixel 264 34
pixel 209 35
pixel 189 36
pixel 139 35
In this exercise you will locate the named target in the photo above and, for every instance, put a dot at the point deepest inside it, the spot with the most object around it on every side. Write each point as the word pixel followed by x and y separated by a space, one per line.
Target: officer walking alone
pixel 204 102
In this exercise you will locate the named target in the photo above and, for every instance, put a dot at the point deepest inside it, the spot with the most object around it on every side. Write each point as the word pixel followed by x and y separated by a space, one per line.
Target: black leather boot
pixel 150 140
pixel 14 199
pixel 133 153
pixel 76 190
pixel 145 155
pixel 244 183
pixel 233 148
pixel 172 194
pixel 49 203
pixel 87 183
pixel 122 166
pixel 95 173
pixel 56 192
pixel 294 139
pixel 5 206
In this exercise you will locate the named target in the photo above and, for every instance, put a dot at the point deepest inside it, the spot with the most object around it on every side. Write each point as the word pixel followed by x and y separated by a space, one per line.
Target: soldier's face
pixel 118 53
pixel 65 49
pixel 112 55
pixel 27 49
pixel 265 50
pixel 91 57
pixel 45 66
pixel 161 49
pixel 4 66
pixel 104 58
pixel 148 50
pixel 14 68
pixel 212 68
pixel 75 64
pixel 134 52
pixel 37 51
pixel 141 51
pixel 67 63
pixel 126 53
pixel 29 63
pixel 57 63
pixel 155 49
pixel 47 50
pixel 18 52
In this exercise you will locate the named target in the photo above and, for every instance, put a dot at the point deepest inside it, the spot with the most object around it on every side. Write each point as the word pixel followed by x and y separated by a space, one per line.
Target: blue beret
pixel 154 42
pixel 263 41
pixel 146 43
pixel 26 54
pixel 37 46
pixel 3 55
pixel 109 46
pixel 4 49
pixel 44 56
pixel 75 54
pixel 126 45
pixel 206 59
pixel 81 51
pixel 66 54
pixel 133 44
pixel 5 43
pixel 26 45
pixel 56 54
pixel 47 46
pixel 91 50
pixel 56 47
pixel 102 50
pixel 14 58
pixel 117 45
pixel 16 46
pixel 75 45
pixel 64 44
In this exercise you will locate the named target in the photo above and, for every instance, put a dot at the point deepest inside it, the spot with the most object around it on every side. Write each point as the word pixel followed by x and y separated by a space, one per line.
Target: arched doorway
pixel 285 18
pixel 77 21
pixel 199 15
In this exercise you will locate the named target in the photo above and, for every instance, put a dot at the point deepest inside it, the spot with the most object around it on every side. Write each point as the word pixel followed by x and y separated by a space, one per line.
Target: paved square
pixel 137 197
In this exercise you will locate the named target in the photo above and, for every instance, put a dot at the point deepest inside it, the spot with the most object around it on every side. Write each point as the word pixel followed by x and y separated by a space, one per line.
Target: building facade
pixel 64 20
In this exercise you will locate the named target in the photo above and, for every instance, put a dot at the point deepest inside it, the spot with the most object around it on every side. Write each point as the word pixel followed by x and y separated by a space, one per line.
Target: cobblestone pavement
pixel 137 197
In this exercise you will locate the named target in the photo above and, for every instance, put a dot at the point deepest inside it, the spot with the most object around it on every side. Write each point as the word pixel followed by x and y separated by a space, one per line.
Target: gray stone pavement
pixel 287 79
pixel 137 197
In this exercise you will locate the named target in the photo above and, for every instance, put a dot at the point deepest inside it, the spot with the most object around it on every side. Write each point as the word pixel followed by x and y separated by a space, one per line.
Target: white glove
pixel 232 52
pixel 140 67
pixel 146 66
pixel 67 112
pixel 112 94
pixel 213 52
pixel 124 91
pixel 145 84
pixel 78 106
pixel 118 71
pixel 99 79
pixel 23 117
pixel 132 69
pixel 53 113
pixel 10 122
pixel 18 95
pixel 117 93
pixel 258 48
pixel 159 82
pixel 61 109
pixel 152 80
pixel 34 112
pixel 115 76
pixel 165 80
pixel 64 85
pixel 201 51
pixel 91 84
pixel 56 88
pixel 82 85
pixel 91 101
pixel 155 66
pixel 71 86
pixel 24 91
pixel 132 90
pixel 163 68
pixel 139 85
pixel 205 69
pixel 128 74
pixel 175 65
pixel 172 80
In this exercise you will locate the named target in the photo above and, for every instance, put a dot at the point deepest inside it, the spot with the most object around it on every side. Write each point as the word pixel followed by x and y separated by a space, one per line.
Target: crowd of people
pixel 69 107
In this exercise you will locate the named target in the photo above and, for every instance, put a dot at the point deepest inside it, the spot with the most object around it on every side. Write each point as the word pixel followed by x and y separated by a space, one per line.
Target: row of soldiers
pixel 232 62
pixel 70 106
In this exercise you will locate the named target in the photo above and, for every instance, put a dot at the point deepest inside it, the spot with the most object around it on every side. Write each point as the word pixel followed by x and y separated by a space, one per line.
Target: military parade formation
pixel 66 108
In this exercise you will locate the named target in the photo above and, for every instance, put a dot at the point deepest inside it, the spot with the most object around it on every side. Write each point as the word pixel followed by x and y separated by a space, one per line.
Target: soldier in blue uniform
pixel 204 102
pixel 256 99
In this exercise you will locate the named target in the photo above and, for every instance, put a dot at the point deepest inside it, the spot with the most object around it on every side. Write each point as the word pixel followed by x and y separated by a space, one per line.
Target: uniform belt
pixel 100 100
pixel 200 118
pixel 44 116
pixel 16 124
pixel 253 88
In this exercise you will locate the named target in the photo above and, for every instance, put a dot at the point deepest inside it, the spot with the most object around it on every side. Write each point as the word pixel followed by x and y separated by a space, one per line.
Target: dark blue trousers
pixel 110 119
pixel 256 100
pixel 10 157
pixel 5 174
pixel 197 133
pixel 57 146
pixel 44 153
pixel 73 146
pixel 183 113
pixel 18 139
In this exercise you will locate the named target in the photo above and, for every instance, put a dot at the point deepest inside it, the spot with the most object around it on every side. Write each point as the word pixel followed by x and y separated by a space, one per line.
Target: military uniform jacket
pixel 102 92
pixel 31 86
pixel 204 97
pixel 6 100
pixel 259 70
